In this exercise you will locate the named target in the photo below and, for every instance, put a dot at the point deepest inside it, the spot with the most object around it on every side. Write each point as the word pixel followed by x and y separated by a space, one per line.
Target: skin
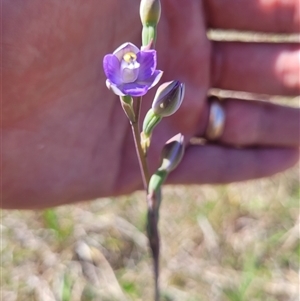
pixel 65 137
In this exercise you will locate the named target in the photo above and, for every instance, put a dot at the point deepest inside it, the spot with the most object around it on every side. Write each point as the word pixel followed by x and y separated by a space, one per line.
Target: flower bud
pixel 172 153
pixel 148 37
pixel 168 98
pixel 171 156
pixel 145 142
pixel 150 11
pixel 156 181
pixel 150 121
pixel 127 105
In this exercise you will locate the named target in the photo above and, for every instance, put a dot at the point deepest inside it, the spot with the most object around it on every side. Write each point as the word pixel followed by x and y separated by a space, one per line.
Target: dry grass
pixel 235 242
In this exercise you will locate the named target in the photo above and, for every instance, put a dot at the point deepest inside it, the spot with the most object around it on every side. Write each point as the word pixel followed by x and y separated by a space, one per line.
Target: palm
pixel 71 125
pixel 65 136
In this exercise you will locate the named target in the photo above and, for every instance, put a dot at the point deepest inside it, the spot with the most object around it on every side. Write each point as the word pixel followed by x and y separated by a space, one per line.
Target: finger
pixel 258 123
pixel 256 67
pixel 215 164
pixel 256 15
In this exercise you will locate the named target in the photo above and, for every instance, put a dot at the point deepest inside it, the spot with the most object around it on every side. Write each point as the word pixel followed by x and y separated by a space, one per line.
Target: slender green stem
pixel 153 199
pixel 137 142
pixel 153 235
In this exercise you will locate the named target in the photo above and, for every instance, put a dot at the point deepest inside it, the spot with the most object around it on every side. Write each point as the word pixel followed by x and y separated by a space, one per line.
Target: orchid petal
pixel 111 66
pixel 135 89
pixel 147 60
pixel 153 80
pixel 116 90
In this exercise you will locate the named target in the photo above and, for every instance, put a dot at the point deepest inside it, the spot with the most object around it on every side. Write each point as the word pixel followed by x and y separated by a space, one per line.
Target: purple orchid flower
pixel 131 71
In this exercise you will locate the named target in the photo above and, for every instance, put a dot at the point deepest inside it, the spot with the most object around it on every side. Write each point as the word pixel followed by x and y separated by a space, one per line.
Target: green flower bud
pixel 127 105
pixel 148 37
pixel 150 121
pixel 150 11
pixel 168 98
pixel 171 156
pixel 145 142
pixel 156 181
pixel 172 153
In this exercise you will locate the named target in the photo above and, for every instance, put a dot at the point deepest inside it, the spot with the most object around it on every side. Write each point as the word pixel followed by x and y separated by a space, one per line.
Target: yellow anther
pixel 129 57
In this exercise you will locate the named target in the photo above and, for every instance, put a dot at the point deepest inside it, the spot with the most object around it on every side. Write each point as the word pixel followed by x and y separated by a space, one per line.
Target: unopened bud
pixel 150 121
pixel 168 98
pixel 127 105
pixel 145 142
pixel 171 156
pixel 156 181
pixel 150 11
pixel 172 153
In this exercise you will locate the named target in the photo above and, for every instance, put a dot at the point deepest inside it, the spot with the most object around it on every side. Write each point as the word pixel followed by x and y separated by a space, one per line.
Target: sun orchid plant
pixel 131 72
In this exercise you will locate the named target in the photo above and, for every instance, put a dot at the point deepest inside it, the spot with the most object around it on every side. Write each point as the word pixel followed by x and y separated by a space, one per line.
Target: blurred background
pixel 236 242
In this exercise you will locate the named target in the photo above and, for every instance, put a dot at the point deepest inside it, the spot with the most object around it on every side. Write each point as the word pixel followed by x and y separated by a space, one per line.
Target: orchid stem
pixel 152 199
pixel 137 142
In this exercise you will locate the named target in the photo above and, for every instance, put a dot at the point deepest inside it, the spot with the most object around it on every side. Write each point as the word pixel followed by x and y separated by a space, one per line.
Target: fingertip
pixel 213 164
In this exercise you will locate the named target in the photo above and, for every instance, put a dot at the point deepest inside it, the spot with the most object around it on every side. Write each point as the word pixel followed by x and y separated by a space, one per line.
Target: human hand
pixel 65 137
